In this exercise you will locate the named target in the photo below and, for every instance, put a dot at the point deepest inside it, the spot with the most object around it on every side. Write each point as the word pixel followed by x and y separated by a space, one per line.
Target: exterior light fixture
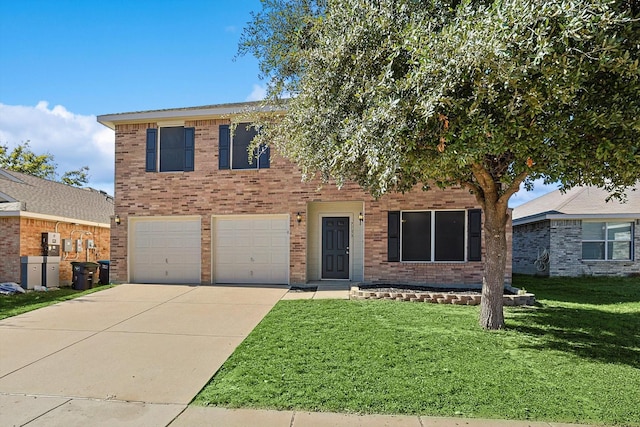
pixel 116 219
pixel 361 217
pixel 298 217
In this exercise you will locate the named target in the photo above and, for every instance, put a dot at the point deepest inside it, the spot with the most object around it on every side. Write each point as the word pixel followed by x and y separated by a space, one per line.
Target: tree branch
pixel 513 188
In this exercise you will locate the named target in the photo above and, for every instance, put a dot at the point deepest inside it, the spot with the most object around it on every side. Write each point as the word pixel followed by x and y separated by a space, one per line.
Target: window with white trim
pixel 432 236
pixel 607 241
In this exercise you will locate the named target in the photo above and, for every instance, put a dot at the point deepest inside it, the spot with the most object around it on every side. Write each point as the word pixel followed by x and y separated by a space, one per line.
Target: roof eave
pixel 194 113
pixel 35 215
pixel 559 216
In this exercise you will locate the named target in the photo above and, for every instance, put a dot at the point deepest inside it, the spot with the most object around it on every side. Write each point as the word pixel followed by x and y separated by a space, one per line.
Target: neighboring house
pixel 30 206
pixel 577 233
pixel 193 209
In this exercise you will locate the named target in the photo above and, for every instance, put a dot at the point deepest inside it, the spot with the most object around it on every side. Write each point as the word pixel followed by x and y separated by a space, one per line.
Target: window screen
pixel 416 236
pixel 171 149
pixel 241 140
pixel 449 235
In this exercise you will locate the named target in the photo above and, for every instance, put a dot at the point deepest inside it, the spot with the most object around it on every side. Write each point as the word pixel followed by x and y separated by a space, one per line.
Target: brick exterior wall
pixel 9 249
pixel 23 237
pixel 529 241
pixel 566 259
pixel 564 241
pixel 209 191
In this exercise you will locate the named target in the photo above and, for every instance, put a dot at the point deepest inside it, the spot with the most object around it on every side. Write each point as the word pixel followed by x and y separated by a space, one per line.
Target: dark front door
pixel 335 248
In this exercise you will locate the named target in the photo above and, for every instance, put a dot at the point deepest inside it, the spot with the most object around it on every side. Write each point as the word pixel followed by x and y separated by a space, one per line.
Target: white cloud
pixel 258 93
pixel 539 189
pixel 73 139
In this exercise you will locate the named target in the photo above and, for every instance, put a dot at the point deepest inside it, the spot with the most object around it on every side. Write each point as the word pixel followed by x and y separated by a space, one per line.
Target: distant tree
pixel 76 178
pixel 22 159
pixel 487 95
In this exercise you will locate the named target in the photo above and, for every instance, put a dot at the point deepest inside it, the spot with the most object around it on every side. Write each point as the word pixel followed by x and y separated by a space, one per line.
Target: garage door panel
pixel 166 251
pixel 251 249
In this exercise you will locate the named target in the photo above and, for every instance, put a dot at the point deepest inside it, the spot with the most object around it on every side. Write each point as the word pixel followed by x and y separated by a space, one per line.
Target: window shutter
pixel 475 235
pixel 264 159
pixel 393 242
pixel 189 148
pixel 151 153
pixel 224 151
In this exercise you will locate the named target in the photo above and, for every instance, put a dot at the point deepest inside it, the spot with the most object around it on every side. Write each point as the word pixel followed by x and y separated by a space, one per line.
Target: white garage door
pixel 251 249
pixel 165 250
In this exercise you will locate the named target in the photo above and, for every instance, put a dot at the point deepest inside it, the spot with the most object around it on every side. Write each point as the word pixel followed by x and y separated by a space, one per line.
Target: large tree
pixel 487 95
pixel 22 159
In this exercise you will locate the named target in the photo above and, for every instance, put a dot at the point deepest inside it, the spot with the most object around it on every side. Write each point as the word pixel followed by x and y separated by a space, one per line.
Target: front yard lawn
pixel 12 305
pixel 574 358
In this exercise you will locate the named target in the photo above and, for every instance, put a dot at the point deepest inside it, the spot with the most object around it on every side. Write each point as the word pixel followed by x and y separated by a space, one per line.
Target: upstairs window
pixel 233 149
pixel 607 241
pixel 170 149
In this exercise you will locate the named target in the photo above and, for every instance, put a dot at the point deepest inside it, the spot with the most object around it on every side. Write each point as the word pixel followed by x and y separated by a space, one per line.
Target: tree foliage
pixel 481 94
pixel 76 178
pixel 22 159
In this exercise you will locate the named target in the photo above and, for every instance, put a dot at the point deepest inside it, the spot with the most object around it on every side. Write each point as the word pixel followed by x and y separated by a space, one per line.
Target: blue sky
pixel 66 61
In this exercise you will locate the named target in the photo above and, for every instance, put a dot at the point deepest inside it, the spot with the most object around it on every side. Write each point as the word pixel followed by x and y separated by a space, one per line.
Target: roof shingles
pixel 56 199
pixel 580 201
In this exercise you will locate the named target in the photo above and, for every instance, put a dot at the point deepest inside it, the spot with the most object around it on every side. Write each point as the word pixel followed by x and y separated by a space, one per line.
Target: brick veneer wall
pixel 9 249
pixel 29 243
pixel 529 240
pixel 566 253
pixel 209 191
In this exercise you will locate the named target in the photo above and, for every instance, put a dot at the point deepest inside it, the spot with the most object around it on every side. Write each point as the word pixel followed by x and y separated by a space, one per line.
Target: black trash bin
pixel 104 271
pixel 83 275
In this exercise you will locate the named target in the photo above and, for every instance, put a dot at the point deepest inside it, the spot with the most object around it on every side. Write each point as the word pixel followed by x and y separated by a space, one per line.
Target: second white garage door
pixel 251 249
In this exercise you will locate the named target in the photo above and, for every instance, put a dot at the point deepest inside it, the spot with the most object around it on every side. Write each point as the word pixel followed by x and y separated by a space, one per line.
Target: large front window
pixel 433 236
pixel 607 240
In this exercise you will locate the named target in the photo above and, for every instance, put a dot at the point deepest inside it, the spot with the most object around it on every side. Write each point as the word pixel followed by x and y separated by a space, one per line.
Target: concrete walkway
pixel 135 355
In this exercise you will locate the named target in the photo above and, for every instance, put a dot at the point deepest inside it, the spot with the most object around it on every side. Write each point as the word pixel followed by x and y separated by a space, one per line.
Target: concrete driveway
pixel 153 344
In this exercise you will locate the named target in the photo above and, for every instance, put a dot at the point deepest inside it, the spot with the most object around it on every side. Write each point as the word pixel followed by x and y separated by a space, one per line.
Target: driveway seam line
pixel 147 310
pixel 46 412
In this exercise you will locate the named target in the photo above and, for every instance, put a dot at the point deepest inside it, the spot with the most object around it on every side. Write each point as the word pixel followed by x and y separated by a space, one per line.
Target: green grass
pixel 574 358
pixel 12 305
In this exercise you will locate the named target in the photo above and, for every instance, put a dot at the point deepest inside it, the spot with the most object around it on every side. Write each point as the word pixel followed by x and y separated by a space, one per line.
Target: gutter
pixel 33 215
pixel 211 111
pixel 542 217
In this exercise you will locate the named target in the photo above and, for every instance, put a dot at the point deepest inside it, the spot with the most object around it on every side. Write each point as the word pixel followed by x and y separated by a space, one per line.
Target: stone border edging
pixel 436 297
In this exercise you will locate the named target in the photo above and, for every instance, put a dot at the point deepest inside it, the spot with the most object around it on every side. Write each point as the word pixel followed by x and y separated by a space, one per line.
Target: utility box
pixel 67 245
pixel 51 271
pixel 51 244
pixel 31 271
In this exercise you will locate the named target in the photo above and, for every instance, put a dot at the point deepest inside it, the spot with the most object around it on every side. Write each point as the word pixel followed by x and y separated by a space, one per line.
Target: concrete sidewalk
pixel 136 355
pixel 63 412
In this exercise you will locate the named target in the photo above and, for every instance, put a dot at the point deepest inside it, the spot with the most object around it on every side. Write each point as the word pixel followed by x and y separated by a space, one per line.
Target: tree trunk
pixel 495 241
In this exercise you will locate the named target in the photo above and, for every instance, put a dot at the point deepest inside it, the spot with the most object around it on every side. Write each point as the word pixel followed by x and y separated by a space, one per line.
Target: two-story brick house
pixel 193 209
